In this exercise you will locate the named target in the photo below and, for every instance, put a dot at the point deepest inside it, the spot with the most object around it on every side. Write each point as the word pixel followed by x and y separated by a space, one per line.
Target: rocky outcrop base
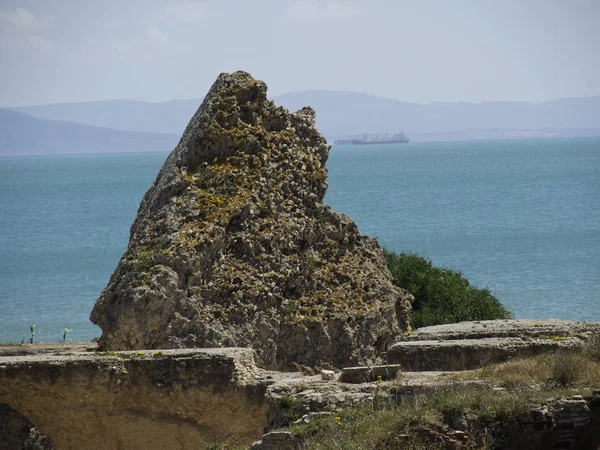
pixel 516 328
pixel 175 399
pixel 366 374
pixel 188 398
pixel 467 354
pixel 566 423
pixel 470 345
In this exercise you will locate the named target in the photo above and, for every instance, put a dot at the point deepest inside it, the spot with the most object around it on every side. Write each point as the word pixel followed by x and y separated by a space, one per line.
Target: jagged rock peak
pixel 232 246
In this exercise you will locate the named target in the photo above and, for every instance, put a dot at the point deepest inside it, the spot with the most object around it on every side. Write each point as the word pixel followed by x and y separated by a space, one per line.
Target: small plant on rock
pixel 64 334
pixel 32 331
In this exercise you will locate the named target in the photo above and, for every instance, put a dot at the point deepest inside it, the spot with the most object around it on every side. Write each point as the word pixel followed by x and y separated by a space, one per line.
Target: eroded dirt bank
pixel 179 399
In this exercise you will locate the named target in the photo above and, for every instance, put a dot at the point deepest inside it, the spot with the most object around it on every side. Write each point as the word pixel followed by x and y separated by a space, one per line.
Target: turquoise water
pixel 521 217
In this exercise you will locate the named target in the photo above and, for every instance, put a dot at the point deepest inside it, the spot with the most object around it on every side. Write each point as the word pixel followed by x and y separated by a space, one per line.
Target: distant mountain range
pixel 131 115
pixel 22 134
pixel 128 125
pixel 346 113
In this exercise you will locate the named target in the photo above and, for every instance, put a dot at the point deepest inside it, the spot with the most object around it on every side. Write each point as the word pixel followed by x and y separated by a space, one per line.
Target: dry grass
pixel 414 422
pixel 560 369
pixel 591 349
pixel 418 421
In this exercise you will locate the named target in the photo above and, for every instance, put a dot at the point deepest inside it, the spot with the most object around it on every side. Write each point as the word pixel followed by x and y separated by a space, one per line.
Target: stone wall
pixel 566 423
pixel 175 399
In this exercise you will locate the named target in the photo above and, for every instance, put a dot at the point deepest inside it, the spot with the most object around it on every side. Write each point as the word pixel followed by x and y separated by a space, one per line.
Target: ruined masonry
pixel 232 246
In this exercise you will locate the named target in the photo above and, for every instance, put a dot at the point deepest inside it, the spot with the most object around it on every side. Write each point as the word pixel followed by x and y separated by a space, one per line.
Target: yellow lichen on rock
pixel 242 250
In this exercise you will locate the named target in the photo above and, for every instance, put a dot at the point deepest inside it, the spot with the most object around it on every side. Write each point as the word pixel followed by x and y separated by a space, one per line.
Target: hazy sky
pixel 418 50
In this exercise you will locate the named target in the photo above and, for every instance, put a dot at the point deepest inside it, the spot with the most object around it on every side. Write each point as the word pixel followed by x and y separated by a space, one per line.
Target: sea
pixel 521 217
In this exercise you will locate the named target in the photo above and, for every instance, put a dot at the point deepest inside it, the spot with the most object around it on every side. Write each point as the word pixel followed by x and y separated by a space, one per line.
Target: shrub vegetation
pixel 441 295
pixel 548 371
pixel 591 349
pixel 418 422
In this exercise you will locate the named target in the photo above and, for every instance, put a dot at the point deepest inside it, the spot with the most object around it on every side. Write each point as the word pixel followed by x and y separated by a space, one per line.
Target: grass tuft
pixel 591 348
pixel 566 369
pixel 418 421
pixel 559 369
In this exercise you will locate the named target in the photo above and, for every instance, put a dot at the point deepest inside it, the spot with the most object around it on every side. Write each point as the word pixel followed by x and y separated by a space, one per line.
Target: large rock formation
pixel 232 246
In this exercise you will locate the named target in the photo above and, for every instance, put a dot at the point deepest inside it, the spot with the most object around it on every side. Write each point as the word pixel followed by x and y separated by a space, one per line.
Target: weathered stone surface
pixel 366 374
pixel 277 440
pixel 563 423
pixel 505 328
pixel 291 399
pixel 47 347
pixel 311 416
pixel 171 399
pixel 327 375
pixel 469 345
pixel 300 399
pixel 466 354
pixel 232 246
pixel 157 399
pixel 18 433
pixel 187 398
pixel 37 441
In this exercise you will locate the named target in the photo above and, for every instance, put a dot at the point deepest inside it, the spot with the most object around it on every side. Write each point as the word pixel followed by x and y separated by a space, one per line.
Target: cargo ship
pixel 399 138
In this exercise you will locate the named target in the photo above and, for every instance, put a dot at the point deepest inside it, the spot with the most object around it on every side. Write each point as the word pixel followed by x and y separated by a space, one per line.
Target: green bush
pixel 441 295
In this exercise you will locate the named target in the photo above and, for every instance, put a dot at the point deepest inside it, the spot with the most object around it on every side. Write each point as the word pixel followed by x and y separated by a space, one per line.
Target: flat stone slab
pixel 365 374
pixel 505 328
pixel 466 354
pixel 46 347
pixel 149 399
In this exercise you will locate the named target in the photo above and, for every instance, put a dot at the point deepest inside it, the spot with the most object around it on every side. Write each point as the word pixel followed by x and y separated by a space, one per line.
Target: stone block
pixel 369 374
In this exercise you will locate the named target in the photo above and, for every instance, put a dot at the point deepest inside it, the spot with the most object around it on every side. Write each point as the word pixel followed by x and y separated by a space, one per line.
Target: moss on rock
pixel 245 252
